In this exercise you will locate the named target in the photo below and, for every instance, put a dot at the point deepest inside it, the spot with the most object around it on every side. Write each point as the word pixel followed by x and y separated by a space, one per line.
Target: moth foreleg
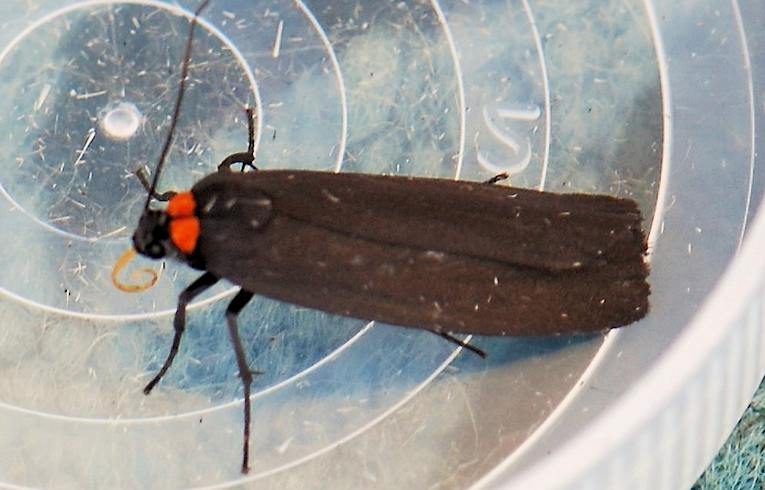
pixel 203 282
pixel 143 178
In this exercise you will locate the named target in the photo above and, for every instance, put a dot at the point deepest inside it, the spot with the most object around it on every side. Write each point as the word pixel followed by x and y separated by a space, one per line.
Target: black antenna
pixel 177 109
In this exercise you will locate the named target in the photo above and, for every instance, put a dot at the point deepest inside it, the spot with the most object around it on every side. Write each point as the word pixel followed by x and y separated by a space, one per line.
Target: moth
pixel 440 255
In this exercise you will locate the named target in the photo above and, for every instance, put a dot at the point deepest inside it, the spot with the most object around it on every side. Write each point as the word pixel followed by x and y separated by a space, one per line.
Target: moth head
pixel 152 237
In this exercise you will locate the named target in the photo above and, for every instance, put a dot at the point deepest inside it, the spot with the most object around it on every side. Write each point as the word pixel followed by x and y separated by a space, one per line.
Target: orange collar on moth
pixel 184 232
pixel 184 225
pixel 181 205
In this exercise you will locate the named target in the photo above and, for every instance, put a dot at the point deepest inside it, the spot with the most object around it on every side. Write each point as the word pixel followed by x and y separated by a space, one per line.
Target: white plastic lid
pixel 656 102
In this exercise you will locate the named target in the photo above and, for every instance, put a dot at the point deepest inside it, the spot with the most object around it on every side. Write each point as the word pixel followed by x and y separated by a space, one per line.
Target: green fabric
pixel 739 464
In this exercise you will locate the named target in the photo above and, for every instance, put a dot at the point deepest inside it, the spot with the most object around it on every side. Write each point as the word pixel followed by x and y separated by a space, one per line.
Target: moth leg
pixel 143 177
pixel 251 131
pixel 203 282
pixel 463 344
pixel 245 373
pixel 247 159
pixel 497 178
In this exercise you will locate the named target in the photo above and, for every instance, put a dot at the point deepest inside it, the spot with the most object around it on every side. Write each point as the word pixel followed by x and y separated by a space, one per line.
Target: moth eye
pixel 155 250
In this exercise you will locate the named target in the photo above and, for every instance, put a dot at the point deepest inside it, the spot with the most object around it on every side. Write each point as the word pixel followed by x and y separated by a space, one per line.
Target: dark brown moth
pixel 441 255
pixel 435 254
